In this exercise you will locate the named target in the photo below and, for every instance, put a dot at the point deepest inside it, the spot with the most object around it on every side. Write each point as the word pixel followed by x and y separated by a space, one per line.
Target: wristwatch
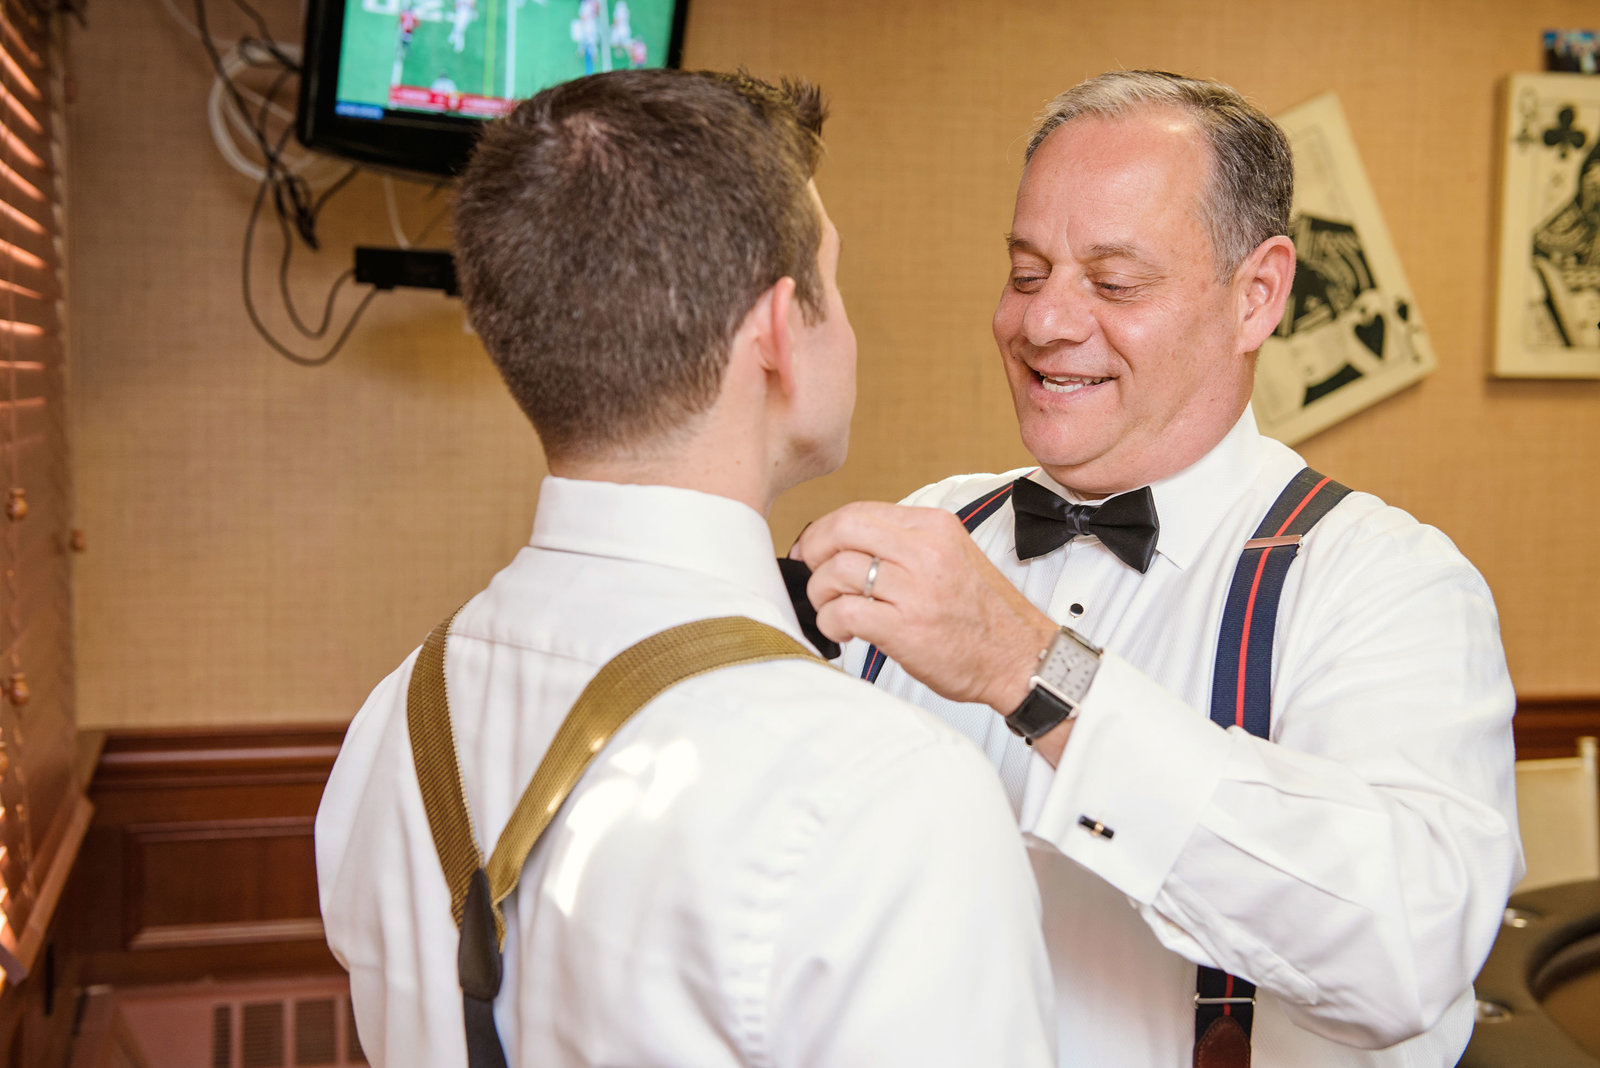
pixel 1065 671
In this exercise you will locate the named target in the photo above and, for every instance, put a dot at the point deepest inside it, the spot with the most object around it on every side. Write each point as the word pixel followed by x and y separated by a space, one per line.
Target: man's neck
pixel 1183 447
pixel 690 468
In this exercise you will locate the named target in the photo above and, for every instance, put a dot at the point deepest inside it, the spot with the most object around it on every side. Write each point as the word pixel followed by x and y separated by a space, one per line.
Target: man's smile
pixel 1067 383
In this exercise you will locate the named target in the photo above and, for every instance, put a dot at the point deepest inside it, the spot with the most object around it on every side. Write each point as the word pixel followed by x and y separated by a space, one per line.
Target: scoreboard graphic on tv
pixel 476 58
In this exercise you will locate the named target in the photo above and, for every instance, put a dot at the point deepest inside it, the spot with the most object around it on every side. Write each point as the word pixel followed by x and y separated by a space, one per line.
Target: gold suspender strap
pixel 630 681
pixel 433 751
pixel 623 686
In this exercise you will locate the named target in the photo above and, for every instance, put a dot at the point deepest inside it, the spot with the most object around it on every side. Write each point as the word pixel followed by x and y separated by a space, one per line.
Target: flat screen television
pixel 407 83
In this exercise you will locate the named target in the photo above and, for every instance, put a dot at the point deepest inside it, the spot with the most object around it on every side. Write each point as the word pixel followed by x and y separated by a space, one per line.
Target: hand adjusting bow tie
pixel 1125 524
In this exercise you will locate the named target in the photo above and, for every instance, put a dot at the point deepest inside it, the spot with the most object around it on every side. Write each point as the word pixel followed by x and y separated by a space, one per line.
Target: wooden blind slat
pixel 16 114
pixel 34 168
pixel 32 268
pixel 31 54
pixel 26 82
pixel 28 216
pixel 20 305
pixel 23 78
pixel 24 235
pixel 23 140
pixel 28 26
pixel 32 272
pixel 27 189
pixel 23 318
pixel 27 351
pixel 29 384
pixel 18 355
pixel 14 39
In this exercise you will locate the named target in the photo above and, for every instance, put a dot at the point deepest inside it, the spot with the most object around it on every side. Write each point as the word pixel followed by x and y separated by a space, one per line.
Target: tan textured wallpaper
pixel 266 541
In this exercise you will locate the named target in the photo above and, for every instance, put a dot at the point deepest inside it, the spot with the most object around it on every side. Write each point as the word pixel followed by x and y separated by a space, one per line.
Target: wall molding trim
pixel 1550 725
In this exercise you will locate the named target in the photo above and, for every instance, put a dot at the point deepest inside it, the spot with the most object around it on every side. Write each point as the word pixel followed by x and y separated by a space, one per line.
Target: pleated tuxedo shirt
pixel 1355 866
pixel 773 864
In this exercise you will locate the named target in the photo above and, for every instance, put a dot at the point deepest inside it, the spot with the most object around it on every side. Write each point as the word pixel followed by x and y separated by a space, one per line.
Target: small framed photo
pixel 1547 313
pixel 1577 51
pixel 1351 334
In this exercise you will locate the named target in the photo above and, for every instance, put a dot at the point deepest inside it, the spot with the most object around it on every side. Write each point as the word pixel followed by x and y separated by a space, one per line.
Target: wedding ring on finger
pixel 872 578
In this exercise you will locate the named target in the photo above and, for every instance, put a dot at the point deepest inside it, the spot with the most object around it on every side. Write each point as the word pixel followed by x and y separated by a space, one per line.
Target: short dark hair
pixel 612 232
pixel 1251 190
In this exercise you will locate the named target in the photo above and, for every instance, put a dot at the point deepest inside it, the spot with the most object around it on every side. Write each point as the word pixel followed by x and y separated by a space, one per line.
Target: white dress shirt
pixel 772 864
pixel 1354 867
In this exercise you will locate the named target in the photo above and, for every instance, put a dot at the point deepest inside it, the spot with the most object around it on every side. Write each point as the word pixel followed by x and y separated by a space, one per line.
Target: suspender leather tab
pixel 478 967
pixel 478 959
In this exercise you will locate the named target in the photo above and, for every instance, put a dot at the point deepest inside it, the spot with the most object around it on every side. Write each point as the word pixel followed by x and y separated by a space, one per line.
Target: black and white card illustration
pixel 1547 322
pixel 1351 334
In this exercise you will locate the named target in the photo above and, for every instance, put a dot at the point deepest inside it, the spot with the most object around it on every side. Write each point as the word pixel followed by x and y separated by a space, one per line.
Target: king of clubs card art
pixel 1350 335
pixel 1547 322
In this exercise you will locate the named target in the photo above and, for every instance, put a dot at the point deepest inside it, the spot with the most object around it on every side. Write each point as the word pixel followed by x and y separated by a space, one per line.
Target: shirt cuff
pixel 1140 764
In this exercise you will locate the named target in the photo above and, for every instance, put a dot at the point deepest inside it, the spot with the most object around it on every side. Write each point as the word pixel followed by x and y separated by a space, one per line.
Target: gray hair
pixel 1251 188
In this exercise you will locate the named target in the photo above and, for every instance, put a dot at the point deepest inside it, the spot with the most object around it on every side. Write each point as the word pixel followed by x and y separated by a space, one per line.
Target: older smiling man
pixel 1297 778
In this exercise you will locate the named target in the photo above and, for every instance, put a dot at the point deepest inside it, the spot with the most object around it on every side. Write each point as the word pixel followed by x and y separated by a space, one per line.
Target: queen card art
pixel 1351 334
pixel 1547 322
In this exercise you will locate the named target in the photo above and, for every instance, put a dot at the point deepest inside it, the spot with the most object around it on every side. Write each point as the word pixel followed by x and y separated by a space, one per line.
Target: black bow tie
pixel 795 576
pixel 1126 524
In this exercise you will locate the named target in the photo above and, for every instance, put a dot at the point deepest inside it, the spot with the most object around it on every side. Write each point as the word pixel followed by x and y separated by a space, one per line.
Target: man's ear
pixel 1265 279
pixel 772 325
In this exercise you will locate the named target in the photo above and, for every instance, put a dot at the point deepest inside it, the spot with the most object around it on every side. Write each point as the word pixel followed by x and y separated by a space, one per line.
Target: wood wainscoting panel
pixel 199 862
pixel 1551 726
pixel 254 888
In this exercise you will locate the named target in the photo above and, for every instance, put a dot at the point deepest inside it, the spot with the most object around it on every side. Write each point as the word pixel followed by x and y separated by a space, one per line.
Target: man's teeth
pixel 1069 384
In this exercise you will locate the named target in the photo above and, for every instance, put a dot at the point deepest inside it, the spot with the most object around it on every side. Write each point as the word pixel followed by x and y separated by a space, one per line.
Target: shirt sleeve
pixel 912 935
pixel 1357 864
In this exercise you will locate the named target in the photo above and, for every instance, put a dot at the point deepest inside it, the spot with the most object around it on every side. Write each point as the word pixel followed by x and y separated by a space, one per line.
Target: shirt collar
pixel 1192 502
pixel 718 537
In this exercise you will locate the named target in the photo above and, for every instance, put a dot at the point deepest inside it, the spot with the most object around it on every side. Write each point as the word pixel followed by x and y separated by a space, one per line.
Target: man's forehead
pixel 1139 137
pixel 1127 167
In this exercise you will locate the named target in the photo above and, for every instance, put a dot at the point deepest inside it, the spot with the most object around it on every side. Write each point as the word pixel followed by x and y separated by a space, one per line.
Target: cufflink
pixel 1095 827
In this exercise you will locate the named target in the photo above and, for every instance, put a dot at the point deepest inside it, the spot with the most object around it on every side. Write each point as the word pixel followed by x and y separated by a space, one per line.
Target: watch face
pixel 1069 667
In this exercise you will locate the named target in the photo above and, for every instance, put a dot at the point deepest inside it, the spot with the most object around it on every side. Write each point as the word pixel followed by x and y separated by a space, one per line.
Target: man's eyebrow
pixel 1113 251
pixel 1103 251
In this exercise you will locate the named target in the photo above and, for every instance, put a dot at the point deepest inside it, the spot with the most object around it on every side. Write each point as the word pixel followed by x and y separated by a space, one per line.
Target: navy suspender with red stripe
pixel 1241 689
pixel 1241 695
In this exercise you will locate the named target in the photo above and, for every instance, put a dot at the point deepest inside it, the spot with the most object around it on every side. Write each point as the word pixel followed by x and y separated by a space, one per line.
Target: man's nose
pixel 1059 312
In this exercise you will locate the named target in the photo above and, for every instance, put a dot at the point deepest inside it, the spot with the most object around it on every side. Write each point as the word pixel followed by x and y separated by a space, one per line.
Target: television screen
pixel 405 83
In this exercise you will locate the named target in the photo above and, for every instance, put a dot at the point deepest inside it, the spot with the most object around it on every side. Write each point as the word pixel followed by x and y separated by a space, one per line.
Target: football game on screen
pixel 474 58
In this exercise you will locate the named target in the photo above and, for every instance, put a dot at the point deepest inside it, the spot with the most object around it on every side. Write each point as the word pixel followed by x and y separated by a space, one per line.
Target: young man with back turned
pixel 771 864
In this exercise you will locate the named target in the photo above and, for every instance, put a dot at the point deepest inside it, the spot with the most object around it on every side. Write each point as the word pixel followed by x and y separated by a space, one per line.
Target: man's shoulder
pixel 1361 525
pixel 1367 540
pixel 802 713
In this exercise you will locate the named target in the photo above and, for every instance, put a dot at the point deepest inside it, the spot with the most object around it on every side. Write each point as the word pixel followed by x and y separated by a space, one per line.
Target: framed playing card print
pixel 1547 317
pixel 1351 334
